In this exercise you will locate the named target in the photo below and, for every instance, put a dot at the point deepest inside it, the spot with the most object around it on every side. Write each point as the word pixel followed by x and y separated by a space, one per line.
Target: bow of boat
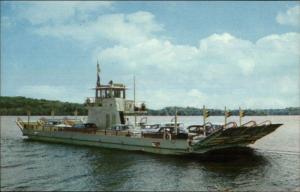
pixel 234 137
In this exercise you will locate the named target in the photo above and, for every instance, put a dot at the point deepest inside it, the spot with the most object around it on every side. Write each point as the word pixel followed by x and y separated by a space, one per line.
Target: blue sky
pixel 182 53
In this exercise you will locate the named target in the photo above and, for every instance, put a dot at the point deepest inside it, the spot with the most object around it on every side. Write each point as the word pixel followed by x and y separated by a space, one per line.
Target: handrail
pixel 189 127
pixel 230 123
pixel 267 122
pixel 249 122
pixel 39 122
pixel 19 122
pixel 200 129
pixel 173 119
pixel 143 119
pixel 208 123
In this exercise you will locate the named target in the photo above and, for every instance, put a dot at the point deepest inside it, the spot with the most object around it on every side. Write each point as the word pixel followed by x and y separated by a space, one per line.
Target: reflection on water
pixel 153 172
pixel 29 165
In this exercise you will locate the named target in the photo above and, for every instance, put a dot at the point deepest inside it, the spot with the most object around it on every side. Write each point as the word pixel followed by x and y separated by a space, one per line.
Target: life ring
pixel 168 135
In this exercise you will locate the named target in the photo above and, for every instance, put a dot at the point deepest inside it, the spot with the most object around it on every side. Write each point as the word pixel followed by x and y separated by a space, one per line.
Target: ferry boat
pixel 108 126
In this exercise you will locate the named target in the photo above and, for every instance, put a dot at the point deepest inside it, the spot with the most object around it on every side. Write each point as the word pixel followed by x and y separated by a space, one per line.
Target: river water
pixel 272 165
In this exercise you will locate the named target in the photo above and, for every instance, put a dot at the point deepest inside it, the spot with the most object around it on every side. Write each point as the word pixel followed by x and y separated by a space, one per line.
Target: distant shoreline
pixel 19 106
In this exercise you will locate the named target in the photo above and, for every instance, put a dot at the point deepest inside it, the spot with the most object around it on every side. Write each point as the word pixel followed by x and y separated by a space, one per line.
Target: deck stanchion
pixel 76 113
pixel 225 117
pixel 203 111
pixel 28 117
pixel 205 115
pixel 242 114
pixel 52 114
pixel 176 128
pixel 227 114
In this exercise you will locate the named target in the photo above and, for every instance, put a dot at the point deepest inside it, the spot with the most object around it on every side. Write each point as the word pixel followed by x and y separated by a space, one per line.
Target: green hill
pixel 20 106
pixel 190 111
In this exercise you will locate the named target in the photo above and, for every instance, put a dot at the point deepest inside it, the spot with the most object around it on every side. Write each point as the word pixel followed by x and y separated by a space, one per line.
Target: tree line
pixel 20 106
pixel 191 111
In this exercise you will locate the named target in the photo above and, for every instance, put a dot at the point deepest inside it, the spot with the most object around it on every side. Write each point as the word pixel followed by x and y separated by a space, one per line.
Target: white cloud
pixel 161 97
pixel 219 66
pixel 290 17
pixel 84 22
pixel 236 56
pixel 287 85
pixel 58 12
pixel 247 65
pixel 221 70
pixel 118 28
pixel 286 43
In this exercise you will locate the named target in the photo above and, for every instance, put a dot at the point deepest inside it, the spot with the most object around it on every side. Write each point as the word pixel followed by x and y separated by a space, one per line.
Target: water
pixel 273 165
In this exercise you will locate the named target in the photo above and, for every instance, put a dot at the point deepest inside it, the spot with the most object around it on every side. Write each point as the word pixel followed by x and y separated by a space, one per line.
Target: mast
pixel 176 128
pixel 98 79
pixel 134 100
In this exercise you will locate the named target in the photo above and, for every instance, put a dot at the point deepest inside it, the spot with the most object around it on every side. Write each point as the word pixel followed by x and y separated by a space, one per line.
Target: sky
pixel 182 53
